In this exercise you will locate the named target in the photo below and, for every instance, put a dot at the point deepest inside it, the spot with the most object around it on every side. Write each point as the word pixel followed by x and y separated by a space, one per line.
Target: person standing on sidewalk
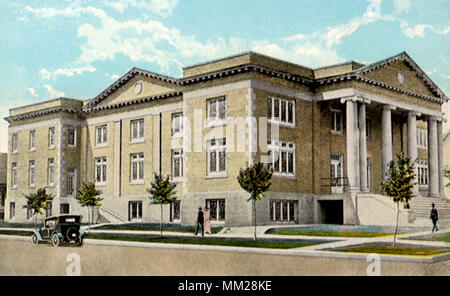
pixel 207 223
pixel 200 221
pixel 434 216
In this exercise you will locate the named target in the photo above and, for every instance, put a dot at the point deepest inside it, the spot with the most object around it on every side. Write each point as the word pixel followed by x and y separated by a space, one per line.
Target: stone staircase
pixel 108 216
pixel 422 208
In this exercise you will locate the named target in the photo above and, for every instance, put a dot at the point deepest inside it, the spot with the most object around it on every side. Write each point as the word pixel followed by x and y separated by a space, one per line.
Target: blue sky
pixel 77 48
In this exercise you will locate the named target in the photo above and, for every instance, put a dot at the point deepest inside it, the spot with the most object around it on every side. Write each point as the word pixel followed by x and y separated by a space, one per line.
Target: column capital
pixel 389 107
pixel 414 113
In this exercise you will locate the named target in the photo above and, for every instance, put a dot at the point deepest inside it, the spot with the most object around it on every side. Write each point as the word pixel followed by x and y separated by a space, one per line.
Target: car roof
pixel 62 215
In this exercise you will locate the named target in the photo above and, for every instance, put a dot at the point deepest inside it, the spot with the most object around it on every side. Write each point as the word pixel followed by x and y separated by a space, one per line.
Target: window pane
pixel 222 161
pixel 291 162
pixel 269 108
pixel 277 211
pixel 285 210
pixel 141 170
pixel 271 211
pixel 212 161
pixel 104 173
pixel 283 162
pixel 213 209
pixel 212 109
pixel 283 111
pixel 222 111
pixel 276 162
pixel 290 112
pixel 141 128
pixel 222 210
pixel 276 108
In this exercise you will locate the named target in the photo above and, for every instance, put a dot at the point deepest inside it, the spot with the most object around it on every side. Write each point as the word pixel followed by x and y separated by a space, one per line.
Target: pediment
pixel 135 84
pixel 403 73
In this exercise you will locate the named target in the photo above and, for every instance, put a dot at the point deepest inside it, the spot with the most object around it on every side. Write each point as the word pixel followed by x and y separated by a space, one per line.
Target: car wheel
pixel 79 241
pixel 55 240
pixel 34 239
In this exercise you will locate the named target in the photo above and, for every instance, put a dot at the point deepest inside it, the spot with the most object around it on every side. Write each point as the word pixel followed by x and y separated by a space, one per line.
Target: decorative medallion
pixel 138 87
pixel 401 77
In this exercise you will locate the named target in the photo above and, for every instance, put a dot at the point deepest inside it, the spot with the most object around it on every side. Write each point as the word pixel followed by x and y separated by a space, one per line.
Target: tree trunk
pixel 396 226
pixel 254 219
pixel 160 225
pixel 89 219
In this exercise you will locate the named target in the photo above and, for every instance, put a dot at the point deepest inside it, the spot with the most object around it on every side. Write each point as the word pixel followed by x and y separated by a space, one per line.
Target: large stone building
pixel 3 162
pixel 328 133
pixel 446 141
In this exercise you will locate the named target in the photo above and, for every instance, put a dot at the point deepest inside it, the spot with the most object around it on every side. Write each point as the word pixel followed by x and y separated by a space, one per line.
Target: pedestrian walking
pixel 200 221
pixel 207 223
pixel 434 216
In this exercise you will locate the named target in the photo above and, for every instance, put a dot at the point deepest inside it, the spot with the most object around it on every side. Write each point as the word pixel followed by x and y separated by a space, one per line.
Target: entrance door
pixel 337 171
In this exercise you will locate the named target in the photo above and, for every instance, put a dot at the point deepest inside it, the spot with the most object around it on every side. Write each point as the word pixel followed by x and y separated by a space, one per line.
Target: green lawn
pixel 329 233
pixel 155 227
pixel 13 232
pixel 444 238
pixel 262 243
pixel 389 250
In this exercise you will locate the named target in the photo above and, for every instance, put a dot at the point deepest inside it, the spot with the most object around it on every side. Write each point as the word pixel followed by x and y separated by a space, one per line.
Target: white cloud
pixel 159 7
pixel 115 76
pixel 54 93
pixel 402 5
pixel 32 91
pixel 419 30
pixel 69 72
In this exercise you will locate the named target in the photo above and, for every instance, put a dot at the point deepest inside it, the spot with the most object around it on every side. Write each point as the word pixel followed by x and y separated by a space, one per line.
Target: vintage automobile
pixel 58 229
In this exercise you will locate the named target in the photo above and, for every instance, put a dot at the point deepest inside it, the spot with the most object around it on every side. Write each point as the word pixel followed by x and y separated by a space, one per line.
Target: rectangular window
pixel 71 137
pixel 422 172
pixel 71 182
pixel 32 173
pixel 177 163
pixel 217 109
pixel 216 157
pixel 283 211
pixel 134 210
pixel 137 130
pixel 281 110
pixel 282 157
pixel 100 170
pixel 51 172
pixel 29 212
pixel 48 212
pixel 216 209
pixel 51 137
pixel 101 135
pixel 137 167
pixel 422 138
pixel 64 208
pixel 337 173
pixel 336 121
pixel 175 213
pixel 177 124
pixel 12 210
pixel 15 143
pixel 14 174
pixel 32 140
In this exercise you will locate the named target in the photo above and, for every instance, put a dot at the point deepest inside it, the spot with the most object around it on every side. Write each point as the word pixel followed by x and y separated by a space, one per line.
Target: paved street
pixel 19 257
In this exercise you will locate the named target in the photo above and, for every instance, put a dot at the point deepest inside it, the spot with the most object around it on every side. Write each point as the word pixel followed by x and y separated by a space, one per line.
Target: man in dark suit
pixel 200 220
pixel 434 217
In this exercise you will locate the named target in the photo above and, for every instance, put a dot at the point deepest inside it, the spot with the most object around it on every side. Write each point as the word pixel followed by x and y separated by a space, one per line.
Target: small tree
pixel 447 175
pixel 399 183
pixel 89 196
pixel 162 192
pixel 256 180
pixel 38 201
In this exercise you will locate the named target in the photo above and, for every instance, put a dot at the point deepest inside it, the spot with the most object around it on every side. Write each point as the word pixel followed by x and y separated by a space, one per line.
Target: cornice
pixel 43 112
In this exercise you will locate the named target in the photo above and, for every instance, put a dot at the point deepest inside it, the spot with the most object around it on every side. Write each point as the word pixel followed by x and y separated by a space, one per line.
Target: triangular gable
pixel 126 89
pixel 402 72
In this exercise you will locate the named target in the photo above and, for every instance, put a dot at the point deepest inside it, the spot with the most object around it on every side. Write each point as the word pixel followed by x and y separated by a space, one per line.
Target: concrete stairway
pixel 422 208
pixel 108 216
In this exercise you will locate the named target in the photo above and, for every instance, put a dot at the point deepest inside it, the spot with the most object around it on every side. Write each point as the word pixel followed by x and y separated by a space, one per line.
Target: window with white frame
pixel 14 174
pixel 175 211
pixel 283 211
pixel 12 210
pixel 32 140
pixel 282 157
pixel 71 182
pixel 422 172
pixel 422 138
pixel 177 163
pixel 216 209
pixel 32 172
pixel 51 172
pixel 71 136
pixel 134 210
pixel 100 170
pixel 177 124
pixel 15 143
pixel 337 121
pixel 216 158
pixel 137 130
pixel 51 137
pixel 101 135
pixel 216 109
pixel 137 167
pixel 281 110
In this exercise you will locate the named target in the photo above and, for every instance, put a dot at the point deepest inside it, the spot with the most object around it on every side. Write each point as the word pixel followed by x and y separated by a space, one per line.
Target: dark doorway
pixel 331 211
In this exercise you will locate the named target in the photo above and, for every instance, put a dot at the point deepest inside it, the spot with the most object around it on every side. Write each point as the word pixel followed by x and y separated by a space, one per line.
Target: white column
pixel 386 139
pixel 363 148
pixel 433 169
pixel 351 136
pixel 440 157
pixel 412 144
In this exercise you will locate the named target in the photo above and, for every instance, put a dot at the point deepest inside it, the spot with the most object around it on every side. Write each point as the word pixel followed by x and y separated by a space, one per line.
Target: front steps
pixel 108 216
